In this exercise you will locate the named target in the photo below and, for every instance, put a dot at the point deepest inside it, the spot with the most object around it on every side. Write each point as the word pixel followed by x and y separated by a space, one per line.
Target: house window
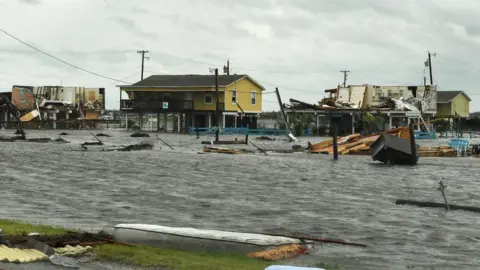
pixel 379 93
pixel 253 98
pixel 208 99
pixel 234 96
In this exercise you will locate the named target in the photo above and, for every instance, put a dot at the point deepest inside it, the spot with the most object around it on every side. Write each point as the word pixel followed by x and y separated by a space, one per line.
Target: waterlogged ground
pixel 352 198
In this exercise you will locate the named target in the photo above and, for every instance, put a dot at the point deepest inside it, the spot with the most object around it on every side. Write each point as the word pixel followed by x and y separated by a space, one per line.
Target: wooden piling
pixel 413 146
pixel 442 190
pixel 335 143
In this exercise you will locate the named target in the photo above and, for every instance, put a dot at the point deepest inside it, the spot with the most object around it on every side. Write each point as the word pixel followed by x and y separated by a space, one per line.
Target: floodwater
pixel 351 199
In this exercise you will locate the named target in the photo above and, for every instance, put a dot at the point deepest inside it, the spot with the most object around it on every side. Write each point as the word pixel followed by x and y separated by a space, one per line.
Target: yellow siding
pixel 156 89
pixel 244 88
pixel 444 109
pixel 15 255
pixel 199 101
pixel 461 106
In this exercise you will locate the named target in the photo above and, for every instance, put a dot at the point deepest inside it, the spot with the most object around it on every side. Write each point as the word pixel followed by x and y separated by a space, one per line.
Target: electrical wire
pixel 68 52
pixel 60 60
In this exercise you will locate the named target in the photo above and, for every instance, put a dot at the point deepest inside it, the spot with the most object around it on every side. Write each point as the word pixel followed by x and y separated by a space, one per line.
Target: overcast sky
pixel 298 45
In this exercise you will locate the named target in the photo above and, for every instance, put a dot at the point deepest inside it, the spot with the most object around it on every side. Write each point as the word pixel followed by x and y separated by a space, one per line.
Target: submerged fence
pixel 235 131
pixel 66 124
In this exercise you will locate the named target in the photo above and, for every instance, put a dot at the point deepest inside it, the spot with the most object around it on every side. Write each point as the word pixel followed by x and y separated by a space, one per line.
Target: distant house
pixel 368 95
pixel 193 99
pixel 453 104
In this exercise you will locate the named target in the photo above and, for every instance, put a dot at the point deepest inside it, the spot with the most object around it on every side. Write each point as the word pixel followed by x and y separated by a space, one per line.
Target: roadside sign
pixel 165 105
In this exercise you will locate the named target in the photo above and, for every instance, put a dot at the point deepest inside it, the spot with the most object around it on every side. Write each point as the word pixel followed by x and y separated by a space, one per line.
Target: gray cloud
pixel 294 44
pixel 132 27
pixel 31 2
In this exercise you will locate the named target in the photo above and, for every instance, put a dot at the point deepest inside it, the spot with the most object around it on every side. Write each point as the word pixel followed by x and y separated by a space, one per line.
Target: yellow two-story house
pixel 453 104
pixel 194 97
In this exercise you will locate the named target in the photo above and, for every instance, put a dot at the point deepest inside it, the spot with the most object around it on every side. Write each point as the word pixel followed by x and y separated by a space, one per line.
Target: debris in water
pixel 63 134
pixel 438 205
pixel 298 148
pixel 60 140
pixel 280 253
pixel 40 140
pixel 64 261
pixel 265 138
pixel 393 150
pixel 103 135
pixel 133 147
pixel 222 150
pixel 139 135
pixel 20 138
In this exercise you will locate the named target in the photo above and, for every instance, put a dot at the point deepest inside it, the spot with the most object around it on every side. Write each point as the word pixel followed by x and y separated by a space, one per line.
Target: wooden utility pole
pixel 142 52
pixel 430 67
pixel 217 97
pixel 226 69
pixel 345 77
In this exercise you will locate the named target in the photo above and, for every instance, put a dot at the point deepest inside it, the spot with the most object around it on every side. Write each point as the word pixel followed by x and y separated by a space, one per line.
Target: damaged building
pixel 399 105
pixel 60 106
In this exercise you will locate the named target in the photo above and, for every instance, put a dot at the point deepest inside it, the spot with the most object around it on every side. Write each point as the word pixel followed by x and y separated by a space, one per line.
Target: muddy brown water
pixel 352 199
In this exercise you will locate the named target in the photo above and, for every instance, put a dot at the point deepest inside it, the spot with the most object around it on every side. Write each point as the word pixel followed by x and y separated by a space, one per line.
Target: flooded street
pixel 351 199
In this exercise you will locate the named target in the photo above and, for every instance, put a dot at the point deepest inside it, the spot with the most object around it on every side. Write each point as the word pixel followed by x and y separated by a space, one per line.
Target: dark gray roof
pixel 447 96
pixel 189 80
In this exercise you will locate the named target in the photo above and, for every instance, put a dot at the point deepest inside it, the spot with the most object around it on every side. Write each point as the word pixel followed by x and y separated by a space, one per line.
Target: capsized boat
pixel 394 150
pixel 198 239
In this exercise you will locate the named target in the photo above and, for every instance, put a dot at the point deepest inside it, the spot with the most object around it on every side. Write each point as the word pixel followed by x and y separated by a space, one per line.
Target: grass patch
pixel 151 257
pixel 176 259
pixel 16 227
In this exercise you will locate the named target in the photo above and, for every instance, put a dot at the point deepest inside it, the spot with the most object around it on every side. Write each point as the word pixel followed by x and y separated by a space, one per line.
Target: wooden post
pixel 246 136
pixel 442 189
pixel 413 146
pixel 335 143
pixel 217 97
pixel 198 133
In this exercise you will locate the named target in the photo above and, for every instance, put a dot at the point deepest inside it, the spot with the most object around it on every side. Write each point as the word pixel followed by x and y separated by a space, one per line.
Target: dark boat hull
pixel 393 150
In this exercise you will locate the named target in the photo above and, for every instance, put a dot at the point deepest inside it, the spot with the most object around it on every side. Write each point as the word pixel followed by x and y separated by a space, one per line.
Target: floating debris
pixel 39 140
pixel 132 147
pixel 438 205
pixel 280 253
pixel 210 149
pixel 103 135
pixel 298 148
pixel 20 138
pixel 393 150
pixel 265 138
pixel 15 255
pixel 73 251
pixel 60 140
pixel 225 142
pixel 63 134
pixel 139 135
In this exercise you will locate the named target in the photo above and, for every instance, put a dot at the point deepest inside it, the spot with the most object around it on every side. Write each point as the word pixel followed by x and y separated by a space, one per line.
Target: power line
pixel 68 52
pixel 60 60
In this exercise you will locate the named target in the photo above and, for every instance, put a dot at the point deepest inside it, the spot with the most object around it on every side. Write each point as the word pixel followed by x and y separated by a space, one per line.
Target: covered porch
pixel 227 119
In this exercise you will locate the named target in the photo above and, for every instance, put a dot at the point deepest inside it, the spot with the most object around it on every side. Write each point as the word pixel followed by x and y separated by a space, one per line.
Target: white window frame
pixel 234 95
pixel 253 96
pixel 211 98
